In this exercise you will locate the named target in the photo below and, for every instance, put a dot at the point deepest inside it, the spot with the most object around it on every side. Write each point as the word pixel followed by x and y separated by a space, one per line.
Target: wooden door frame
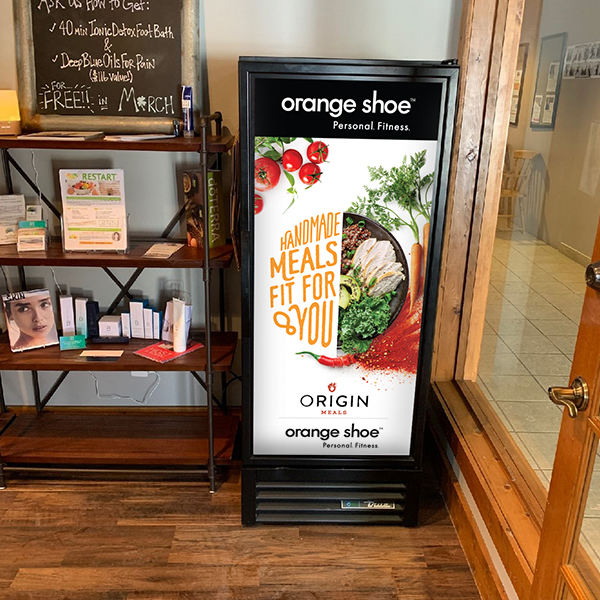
pixel 505 493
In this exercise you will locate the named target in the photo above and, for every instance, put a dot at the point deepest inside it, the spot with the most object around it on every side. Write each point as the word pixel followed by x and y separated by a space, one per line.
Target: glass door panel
pixel 548 212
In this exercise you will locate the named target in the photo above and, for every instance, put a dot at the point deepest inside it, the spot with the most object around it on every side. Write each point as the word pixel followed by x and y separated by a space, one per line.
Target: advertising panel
pixel 346 189
pixel 345 178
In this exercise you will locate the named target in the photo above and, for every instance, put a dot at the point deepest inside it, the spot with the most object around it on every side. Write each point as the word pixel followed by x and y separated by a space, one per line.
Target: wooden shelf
pixel 186 257
pixel 221 143
pixel 52 359
pixel 113 437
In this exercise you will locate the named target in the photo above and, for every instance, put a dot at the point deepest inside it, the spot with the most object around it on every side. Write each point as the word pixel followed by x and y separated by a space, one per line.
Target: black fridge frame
pixel 323 468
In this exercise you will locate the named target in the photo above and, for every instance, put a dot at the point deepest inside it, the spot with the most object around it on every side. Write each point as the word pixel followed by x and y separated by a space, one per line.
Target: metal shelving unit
pixel 219 347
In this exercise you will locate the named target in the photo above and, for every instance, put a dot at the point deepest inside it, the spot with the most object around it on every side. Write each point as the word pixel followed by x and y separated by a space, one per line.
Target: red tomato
pixel 309 173
pixel 292 160
pixel 266 173
pixel 317 152
pixel 258 203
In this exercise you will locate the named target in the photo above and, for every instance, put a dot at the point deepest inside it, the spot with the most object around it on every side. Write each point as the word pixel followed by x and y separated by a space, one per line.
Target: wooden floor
pixel 91 540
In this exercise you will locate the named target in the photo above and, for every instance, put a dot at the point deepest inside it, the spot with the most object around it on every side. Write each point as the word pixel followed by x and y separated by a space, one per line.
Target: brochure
pixel 162 352
pixel 140 137
pixel 12 210
pixel 94 214
pixel 74 136
pixel 30 320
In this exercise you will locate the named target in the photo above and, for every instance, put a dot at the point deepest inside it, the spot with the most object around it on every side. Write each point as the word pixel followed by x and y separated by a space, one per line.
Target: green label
pixel 72 342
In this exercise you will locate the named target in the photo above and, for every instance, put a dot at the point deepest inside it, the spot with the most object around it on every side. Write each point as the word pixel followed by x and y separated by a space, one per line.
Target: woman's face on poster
pixel 33 316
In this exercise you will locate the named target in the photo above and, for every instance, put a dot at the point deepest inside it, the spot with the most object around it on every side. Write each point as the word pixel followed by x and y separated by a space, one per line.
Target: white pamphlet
pixel 94 214
pixel 12 210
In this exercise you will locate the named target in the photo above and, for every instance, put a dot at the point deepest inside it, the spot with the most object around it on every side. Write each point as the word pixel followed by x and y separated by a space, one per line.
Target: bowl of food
pixel 83 188
pixel 373 282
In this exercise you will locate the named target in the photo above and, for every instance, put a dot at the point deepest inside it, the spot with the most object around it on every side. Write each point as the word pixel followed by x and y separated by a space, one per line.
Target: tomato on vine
pixel 292 160
pixel 258 203
pixel 266 174
pixel 317 152
pixel 310 173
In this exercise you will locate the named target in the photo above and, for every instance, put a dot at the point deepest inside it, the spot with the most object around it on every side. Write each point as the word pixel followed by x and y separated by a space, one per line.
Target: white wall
pixel 558 211
pixel 385 29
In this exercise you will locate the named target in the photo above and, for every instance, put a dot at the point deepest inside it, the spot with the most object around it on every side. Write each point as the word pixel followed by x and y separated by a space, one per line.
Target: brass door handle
pixel 592 275
pixel 575 397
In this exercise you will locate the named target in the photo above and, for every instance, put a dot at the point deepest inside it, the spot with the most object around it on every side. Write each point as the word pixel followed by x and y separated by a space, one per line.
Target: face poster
pixel 344 181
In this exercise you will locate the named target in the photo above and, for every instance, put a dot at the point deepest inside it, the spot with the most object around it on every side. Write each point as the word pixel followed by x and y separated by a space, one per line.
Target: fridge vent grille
pixel 310 502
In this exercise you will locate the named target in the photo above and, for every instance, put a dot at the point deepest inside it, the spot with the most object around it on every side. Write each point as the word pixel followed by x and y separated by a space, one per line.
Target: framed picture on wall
pixel 517 91
pixel 547 82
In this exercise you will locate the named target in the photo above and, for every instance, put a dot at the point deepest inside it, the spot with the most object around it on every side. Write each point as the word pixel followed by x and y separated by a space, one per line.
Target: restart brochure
pixel 94 213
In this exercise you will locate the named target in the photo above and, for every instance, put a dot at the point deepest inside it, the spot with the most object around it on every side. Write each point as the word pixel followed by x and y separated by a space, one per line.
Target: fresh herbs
pixel 362 321
pixel 402 187
pixel 273 147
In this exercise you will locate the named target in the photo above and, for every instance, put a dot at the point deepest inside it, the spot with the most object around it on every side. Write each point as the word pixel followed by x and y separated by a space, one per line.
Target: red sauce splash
pixel 397 348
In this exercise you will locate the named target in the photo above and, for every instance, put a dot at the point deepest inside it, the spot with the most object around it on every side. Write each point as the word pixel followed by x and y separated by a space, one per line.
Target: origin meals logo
pixel 332 403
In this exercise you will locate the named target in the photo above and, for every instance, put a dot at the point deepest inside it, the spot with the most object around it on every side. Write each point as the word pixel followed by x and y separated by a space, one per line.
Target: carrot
pixel 416 262
pixel 425 246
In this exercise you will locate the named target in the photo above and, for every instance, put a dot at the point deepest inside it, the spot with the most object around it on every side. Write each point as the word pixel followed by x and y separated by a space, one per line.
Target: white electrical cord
pixel 37 177
pixel 151 389
pixel 56 282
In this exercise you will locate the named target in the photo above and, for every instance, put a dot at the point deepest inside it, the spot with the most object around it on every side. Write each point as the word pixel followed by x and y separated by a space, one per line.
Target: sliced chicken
pixel 387 279
pixel 362 251
pixel 381 254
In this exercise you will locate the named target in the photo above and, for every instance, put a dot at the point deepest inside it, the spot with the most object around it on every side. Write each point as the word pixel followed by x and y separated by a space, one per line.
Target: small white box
pixel 67 316
pixel 148 323
pixel 125 325
pixel 157 323
pixel 33 212
pixel 110 326
pixel 81 316
pixel 136 310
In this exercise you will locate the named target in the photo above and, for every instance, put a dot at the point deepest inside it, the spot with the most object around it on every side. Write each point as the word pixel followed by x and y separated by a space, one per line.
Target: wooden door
pixel 563 568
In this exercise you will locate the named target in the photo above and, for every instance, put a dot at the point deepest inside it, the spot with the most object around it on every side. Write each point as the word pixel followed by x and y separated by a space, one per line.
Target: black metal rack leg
pixel 207 306
pixel 2 401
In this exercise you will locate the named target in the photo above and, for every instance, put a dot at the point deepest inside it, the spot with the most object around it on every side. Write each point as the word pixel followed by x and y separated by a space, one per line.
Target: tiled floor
pixel 534 304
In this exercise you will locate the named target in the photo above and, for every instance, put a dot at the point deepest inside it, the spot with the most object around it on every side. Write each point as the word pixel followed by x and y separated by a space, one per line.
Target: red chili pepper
pixel 328 361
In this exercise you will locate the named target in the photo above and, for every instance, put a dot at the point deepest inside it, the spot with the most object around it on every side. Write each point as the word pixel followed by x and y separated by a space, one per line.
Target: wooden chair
pixel 515 183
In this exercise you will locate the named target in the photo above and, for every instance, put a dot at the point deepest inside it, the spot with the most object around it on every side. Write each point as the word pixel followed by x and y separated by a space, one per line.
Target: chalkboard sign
pixel 115 65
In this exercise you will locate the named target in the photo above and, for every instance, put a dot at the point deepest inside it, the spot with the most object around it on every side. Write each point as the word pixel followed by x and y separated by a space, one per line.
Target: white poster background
pixel 281 377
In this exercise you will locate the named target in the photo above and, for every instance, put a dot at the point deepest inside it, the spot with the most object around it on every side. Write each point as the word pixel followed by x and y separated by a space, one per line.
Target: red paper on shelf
pixel 162 352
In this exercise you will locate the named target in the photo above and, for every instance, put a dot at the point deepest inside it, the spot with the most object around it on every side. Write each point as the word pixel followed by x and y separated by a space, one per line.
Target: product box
pixel 148 323
pixel 67 316
pixel 156 324
pixel 33 212
pixel 93 314
pixel 193 195
pixel 81 316
pixel 125 325
pixel 110 326
pixel 136 310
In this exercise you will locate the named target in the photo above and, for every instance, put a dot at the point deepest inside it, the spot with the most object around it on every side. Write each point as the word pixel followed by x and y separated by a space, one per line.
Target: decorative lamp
pixel 10 118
